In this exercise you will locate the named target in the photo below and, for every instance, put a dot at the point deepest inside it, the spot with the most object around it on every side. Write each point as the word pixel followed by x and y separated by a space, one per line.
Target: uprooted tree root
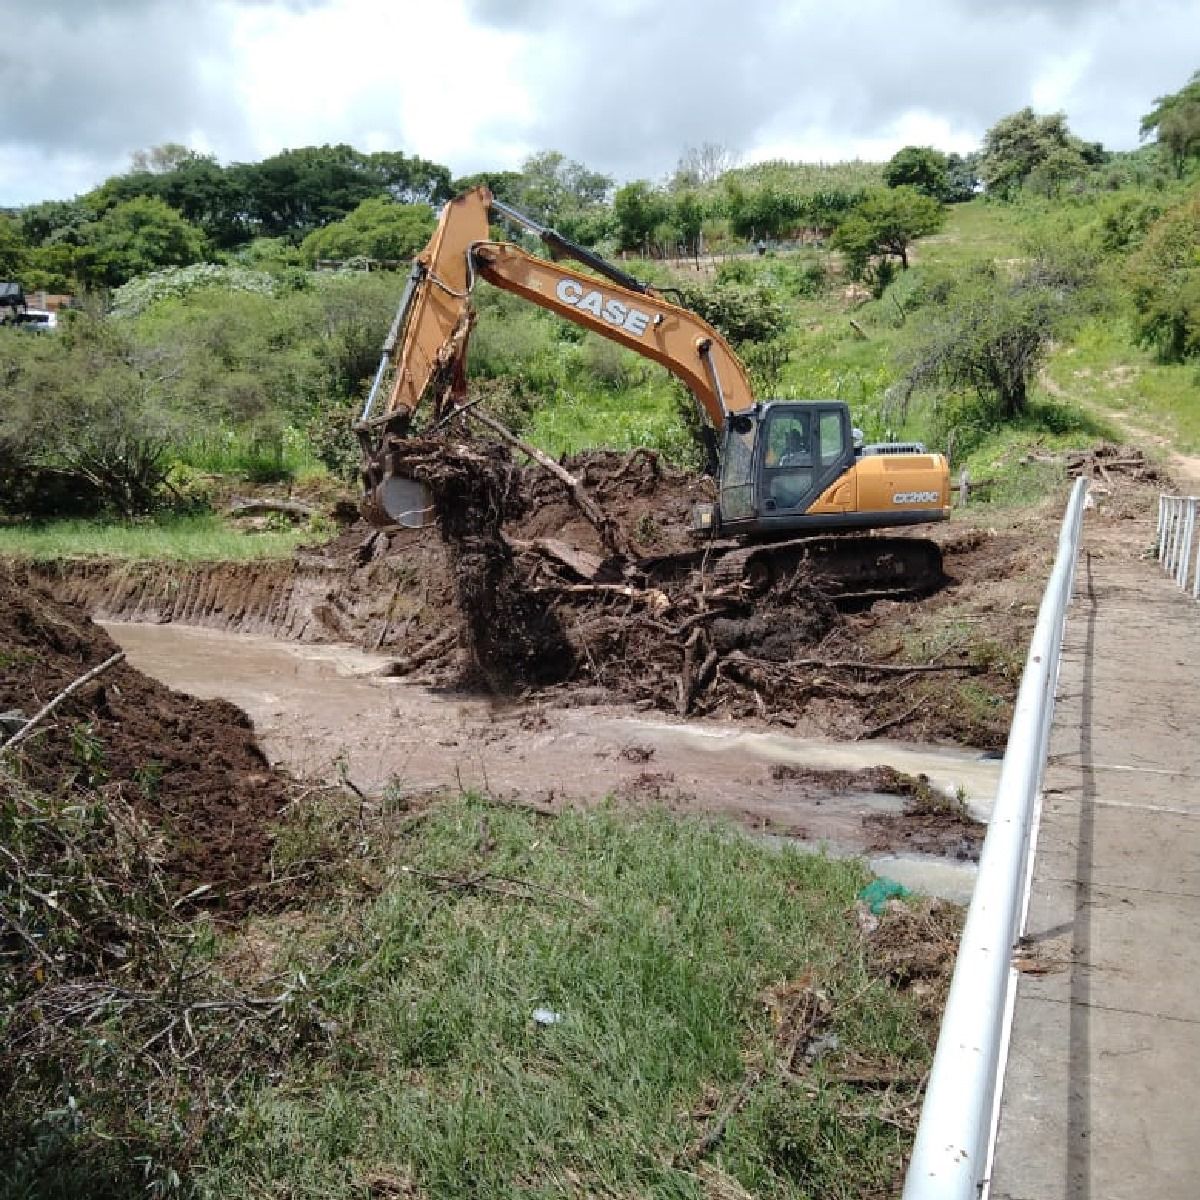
pixel 539 610
pixel 512 634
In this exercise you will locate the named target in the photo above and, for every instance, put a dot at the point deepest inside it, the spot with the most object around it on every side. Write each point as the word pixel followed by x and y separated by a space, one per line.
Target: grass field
pixel 680 965
pixel 192 537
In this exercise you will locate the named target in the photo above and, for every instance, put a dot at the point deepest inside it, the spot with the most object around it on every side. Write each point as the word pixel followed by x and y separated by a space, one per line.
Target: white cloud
pixel 623 86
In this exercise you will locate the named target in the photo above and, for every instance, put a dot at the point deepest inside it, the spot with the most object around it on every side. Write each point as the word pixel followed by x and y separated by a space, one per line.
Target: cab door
pixel 806 447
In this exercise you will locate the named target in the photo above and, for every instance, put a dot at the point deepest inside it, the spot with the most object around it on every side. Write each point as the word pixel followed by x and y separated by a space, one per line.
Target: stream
pixel 321 708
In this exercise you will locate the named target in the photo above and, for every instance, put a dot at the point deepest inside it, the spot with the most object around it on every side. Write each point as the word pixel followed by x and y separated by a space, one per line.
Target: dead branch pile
pixel 657 631
pixel 1107 461
pixel 108 992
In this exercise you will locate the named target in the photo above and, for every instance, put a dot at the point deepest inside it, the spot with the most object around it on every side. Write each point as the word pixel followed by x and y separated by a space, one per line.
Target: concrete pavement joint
pixel 1109 1008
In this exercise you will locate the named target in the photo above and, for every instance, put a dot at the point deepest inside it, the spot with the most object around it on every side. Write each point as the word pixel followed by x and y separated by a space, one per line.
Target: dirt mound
pixel 511 632
pixel 647 497
pixel 191 768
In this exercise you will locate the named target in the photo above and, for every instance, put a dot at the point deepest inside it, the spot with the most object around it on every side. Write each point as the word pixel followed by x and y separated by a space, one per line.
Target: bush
pixel 1165 278
pixel 84 426
pixel 741 312
pixel 991 337
pixel 133 298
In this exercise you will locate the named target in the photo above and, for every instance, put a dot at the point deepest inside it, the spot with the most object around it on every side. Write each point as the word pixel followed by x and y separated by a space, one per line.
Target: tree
pixel 139 236
pixel 553 186
pixel 378 228
pixel 13 250
pixel 57 221
pixel 919 167
pixel 688 217
pixel 962 177
pixel 170 156
pixel 1175 119
pixel 504 185
pixel 1021 143
pixel 703 164
pixel 883 227
pixel 1165 279
pixel 991 336
pixel 639 210
pixel 297 191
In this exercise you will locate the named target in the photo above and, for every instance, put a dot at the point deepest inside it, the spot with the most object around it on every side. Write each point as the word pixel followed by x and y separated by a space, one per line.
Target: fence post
pixel 1189 529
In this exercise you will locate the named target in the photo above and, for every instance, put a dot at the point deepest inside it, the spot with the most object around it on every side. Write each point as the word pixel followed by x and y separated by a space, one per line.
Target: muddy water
pixel 314 705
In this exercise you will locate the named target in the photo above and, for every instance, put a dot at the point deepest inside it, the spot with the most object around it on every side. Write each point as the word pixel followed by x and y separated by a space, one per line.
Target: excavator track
pixel 851 567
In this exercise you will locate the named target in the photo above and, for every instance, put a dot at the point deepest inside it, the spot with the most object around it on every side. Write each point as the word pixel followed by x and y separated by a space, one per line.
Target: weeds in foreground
pixel 458 997
pixel 589 1003
pixel 120 1043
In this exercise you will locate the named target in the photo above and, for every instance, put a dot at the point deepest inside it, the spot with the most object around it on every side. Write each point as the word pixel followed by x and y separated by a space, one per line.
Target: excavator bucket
pixel 399 500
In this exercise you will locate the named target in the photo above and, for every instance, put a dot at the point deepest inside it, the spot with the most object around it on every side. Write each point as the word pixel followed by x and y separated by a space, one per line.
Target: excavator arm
pixel 433 324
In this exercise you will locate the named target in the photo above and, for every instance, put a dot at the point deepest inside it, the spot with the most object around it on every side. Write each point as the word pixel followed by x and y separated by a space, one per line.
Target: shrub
pixel 991 337
pixel 1165 278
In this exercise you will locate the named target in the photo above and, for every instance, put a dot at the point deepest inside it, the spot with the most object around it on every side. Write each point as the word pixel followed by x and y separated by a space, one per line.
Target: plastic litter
pixel 879 891
pixel 546 1016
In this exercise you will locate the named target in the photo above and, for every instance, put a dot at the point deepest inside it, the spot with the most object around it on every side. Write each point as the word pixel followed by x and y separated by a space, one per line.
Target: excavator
pixel 794 481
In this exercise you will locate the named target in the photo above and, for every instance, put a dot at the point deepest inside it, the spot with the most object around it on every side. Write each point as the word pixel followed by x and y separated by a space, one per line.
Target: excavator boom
pixel 436 313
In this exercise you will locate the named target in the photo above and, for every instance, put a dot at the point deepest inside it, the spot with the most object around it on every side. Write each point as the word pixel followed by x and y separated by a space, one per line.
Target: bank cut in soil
pixel 190 768
pixel 545 622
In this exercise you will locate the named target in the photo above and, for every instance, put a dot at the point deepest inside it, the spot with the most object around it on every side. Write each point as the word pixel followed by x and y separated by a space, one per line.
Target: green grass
pixel 644 416
pixel 285 454
pixel 192 537
pixel 654 939
pixel 975 231
pixel 1103 370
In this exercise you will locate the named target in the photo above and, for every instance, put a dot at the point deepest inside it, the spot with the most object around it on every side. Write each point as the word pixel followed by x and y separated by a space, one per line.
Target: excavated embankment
pixel 312 598
pixel 943 667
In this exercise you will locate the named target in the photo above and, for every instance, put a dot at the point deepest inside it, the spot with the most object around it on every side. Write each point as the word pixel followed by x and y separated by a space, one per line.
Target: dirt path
pixel 1184 469
pixel 316 706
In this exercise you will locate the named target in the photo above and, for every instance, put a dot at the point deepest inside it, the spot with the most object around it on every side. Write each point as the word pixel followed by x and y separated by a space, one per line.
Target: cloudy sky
pixel 622 85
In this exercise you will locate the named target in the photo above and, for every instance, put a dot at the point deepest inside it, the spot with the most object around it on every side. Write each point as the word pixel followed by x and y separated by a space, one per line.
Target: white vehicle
pixel 38 319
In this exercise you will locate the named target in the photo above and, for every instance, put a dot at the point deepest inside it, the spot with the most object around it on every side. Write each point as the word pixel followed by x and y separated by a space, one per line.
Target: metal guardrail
pixel 1178 550
pixel 952 1153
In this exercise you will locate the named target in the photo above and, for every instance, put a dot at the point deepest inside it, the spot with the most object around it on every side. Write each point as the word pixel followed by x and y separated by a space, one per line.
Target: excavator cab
pixel 777 461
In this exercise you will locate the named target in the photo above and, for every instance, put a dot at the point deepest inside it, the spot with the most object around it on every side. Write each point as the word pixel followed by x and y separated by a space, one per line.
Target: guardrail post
pixel 1176 534
pixel 952 1149
pixel 1189 529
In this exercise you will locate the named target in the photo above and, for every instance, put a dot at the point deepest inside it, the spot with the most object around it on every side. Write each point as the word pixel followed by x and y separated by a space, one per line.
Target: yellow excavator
pixel 791 473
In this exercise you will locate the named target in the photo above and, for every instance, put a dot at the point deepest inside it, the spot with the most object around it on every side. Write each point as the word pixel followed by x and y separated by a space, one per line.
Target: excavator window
pixel 789 459
pixel 737 470
pixel 831 438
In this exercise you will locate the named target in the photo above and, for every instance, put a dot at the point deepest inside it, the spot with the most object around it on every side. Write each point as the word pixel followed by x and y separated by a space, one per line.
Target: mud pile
pixel 511 632
pixel 190 768
pixel 540 602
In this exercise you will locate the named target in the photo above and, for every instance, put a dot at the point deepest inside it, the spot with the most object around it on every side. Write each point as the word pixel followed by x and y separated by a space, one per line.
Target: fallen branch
pixel 610 533
pixel 46 709
pixel 883 668
pixel 419 657
pixel 891 722
pixel 250 508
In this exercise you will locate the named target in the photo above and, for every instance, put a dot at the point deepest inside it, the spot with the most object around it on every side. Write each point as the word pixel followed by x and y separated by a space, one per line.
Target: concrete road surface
pixel 1102 1092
